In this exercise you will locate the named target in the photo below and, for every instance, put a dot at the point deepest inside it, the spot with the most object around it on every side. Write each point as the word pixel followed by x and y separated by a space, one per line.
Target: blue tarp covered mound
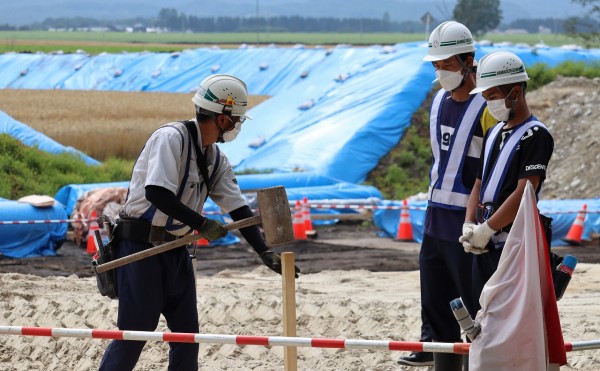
pixel 33 138
pixel 562 212
pixel 334 112
pixel 28 240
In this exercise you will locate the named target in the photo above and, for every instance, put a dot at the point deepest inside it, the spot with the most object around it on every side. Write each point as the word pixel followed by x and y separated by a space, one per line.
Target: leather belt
pixel 159 235
pixel 141 231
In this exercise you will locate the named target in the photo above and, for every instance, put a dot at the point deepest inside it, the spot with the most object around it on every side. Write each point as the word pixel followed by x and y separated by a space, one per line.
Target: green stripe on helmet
pixel 456 42
pixel 209 95
pixel 510 71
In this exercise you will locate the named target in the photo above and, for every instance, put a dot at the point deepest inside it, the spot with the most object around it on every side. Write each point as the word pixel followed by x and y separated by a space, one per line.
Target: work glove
pixel 479 239
pixel 212 229
pixel 472 249
pixel 467 230
pixel 273 261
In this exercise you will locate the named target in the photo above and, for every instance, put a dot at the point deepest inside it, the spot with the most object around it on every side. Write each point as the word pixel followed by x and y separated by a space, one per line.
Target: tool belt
pixel 106 281
pixel 142 231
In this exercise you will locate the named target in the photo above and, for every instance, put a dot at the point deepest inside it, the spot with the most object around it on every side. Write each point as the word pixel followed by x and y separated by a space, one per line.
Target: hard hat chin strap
pixel 220 139
pixel 511 113
pixel 465 71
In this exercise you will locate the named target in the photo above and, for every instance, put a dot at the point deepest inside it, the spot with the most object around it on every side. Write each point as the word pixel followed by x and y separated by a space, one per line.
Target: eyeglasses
pixel 240 119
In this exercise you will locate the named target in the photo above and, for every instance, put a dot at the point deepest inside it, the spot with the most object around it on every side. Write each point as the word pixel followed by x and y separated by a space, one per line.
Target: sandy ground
pixel 379 303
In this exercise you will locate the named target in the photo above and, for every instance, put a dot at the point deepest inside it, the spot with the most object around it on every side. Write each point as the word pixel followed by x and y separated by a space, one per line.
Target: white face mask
pixel 448 79
pixel 233 133
pixel 498 109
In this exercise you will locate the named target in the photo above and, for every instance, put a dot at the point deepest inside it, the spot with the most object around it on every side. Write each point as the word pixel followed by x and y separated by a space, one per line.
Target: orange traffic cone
pixel 298 224
pixel 310 232
pixel 405 232
pixel 576 231
pixel 91 245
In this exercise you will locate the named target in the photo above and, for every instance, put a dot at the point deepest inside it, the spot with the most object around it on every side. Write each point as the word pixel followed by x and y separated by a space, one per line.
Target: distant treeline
pixel 171 20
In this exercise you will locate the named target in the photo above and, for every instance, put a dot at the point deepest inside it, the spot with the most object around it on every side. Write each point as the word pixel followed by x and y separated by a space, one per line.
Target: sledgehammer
pixel 274 215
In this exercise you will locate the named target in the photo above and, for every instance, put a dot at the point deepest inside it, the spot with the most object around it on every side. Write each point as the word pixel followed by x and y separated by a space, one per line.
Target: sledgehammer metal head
pixel 275 215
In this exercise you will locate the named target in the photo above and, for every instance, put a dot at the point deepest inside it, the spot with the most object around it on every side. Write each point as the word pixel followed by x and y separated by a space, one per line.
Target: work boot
pixel 448 362
pixel 417 359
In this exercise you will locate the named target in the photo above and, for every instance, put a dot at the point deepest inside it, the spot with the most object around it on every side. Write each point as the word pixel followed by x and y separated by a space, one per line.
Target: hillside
pixel 570 108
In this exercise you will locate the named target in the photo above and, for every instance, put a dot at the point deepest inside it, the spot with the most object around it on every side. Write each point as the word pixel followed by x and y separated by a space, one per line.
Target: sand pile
pixel 345 304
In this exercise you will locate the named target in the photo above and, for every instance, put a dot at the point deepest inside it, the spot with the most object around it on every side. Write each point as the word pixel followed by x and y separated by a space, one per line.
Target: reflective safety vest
pixel 493 178
pixel 446 188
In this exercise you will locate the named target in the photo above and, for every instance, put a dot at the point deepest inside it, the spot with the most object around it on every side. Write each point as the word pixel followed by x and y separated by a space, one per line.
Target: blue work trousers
pixel 160 284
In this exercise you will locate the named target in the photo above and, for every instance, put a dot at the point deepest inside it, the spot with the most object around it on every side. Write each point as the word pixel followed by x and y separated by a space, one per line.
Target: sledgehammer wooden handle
pixel 171 245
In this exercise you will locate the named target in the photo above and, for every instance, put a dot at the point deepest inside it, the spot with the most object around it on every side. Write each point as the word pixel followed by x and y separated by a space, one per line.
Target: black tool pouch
pixel 555 259
pixel 106 281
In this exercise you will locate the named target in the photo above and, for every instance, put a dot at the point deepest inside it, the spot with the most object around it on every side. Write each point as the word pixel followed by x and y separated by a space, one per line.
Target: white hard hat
pixel 448 39
pixel 499 68
pixel 222 94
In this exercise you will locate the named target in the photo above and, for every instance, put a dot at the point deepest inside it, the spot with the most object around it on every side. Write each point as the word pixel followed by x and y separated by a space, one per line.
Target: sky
pixel 28 11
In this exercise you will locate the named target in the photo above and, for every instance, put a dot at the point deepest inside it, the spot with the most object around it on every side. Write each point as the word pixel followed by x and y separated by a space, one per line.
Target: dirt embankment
pixel 570 107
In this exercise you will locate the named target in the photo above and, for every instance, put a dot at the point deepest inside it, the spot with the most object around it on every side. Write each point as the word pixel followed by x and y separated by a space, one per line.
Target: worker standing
pixel 178 168
pixel 458 122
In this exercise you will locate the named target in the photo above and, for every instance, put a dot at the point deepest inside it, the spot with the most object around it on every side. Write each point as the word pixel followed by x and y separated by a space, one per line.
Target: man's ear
pixel 516 92
pixel 469 61
pixel 221 121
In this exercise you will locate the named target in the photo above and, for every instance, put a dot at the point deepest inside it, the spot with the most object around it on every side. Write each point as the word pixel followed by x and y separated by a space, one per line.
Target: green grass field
pixel 96 42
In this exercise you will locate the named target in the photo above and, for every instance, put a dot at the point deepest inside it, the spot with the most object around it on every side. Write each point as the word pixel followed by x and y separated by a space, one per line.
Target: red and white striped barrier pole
pixel 178 337
pixel 312 206
pixel 51 221
pixel 48 221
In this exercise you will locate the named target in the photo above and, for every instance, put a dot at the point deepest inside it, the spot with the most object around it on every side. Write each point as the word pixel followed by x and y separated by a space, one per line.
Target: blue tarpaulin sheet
pixel 298 186
pixel 333 112
pixel 360 100
pixel 28 240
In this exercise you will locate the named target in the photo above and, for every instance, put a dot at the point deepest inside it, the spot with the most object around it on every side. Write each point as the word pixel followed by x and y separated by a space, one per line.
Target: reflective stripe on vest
pixel 493 177
pixel 446 188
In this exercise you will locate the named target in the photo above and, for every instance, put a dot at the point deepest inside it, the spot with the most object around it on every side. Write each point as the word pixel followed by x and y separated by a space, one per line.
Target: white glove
pixel 472 249
pixel 481 235
pixel 467 230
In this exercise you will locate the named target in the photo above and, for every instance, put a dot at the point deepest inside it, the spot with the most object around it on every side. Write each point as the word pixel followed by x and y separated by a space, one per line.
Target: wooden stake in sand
pixel 290 354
